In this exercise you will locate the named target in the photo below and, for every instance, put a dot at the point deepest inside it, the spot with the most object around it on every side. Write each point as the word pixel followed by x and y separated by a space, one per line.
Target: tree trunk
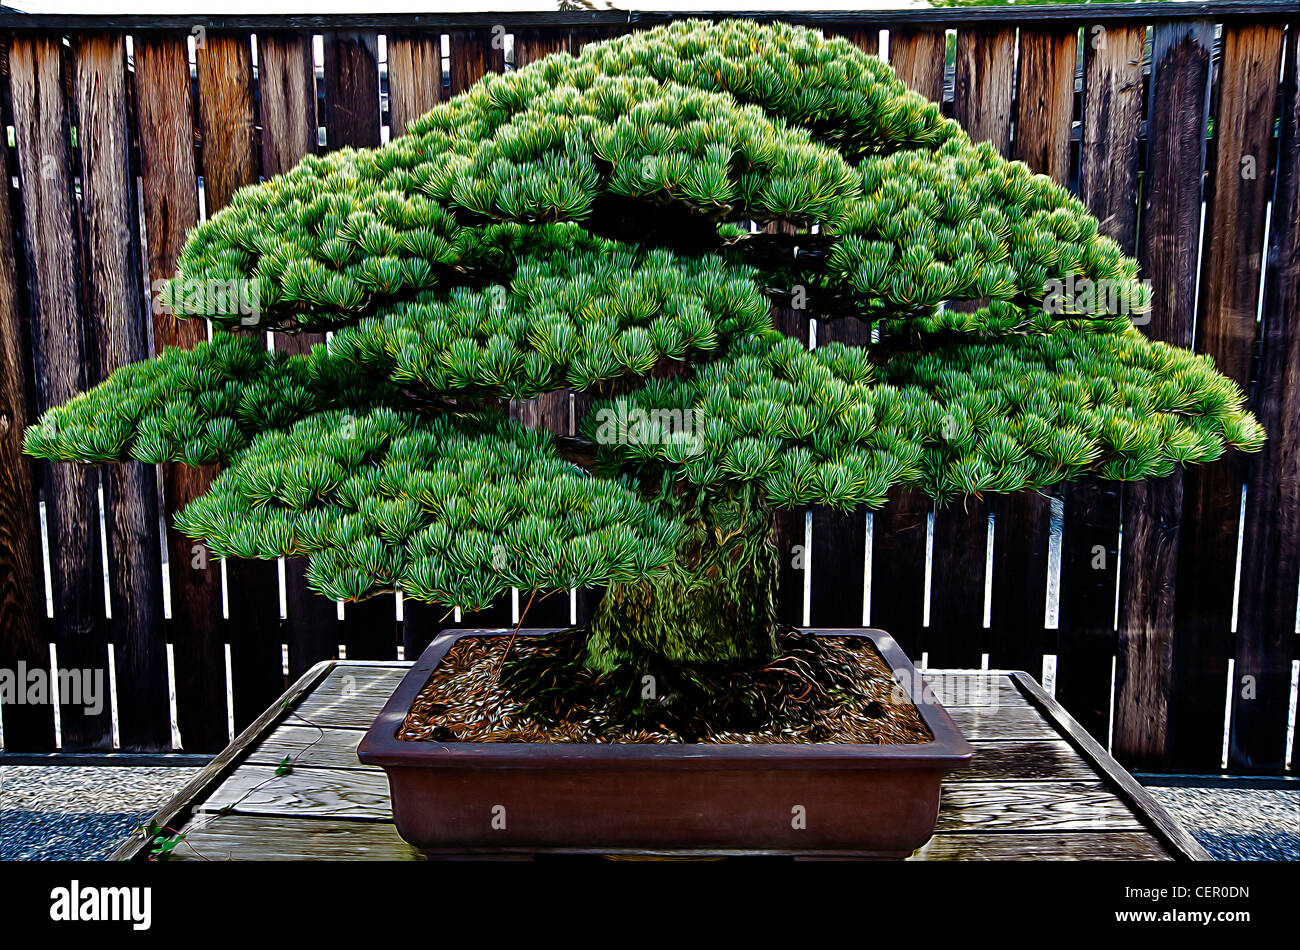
pixel 714 606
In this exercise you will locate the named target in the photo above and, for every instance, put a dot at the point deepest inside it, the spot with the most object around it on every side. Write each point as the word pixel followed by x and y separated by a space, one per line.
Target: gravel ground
pixel 1239 824
pixel 50 813
pixel 62 812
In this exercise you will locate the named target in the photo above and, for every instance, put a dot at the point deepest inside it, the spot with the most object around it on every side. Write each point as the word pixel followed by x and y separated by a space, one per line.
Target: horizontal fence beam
pixel 1218 10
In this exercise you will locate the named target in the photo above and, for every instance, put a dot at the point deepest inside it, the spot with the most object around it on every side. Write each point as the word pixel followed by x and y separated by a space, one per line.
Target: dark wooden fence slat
pixel 917 57
pixel 352 89
pixel 839 539
pixel 1270 566
pixel 1225 329
pixel 230 161
pixel 472 54
pixel 169 193
pixel 984 84
pixel 955 636
pixel 414 77
pixel 1108 186
pixel 1152 510
pixel 29 727
pixel 898 538
pixel 1022 522
pixel 118 335
pixel 1275 400
pixel 865 38
pixel 42 135
pixel 287 96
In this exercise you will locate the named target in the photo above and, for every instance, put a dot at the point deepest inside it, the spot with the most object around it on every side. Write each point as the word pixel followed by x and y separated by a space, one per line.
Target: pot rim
pixel 946 749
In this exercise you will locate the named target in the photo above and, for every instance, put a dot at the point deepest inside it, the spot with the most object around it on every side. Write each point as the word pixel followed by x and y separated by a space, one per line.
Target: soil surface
pixel 818 690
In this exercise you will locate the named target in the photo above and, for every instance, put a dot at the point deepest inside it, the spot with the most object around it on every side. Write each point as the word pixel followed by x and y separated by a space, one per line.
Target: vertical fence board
pixel 414 77
pixel 917 58
pixel 839 539
pixel 287 94
pixel 984 84
pixel 865 38
pixel 472 54
pixel 1232 272
pixel 1108 186
pixel 286 79
pixel 169 193
pixel 898 540
pixel 117 336
pixel 351 89
pixel 230 161
pixel 1180 63
pixel 59 349
pixel 1045 99
pixel 28 727
pixel 1271 559
pixel 1022 522
pixel 955 636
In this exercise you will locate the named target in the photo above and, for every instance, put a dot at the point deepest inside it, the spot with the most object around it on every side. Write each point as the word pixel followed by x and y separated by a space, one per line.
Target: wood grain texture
pixel 256 838
pixel 1045 99
pixel 178 808
pixel 169 196
pixel 1152 511
pixel 302 793
pixel 1043 846
pixel 414 77
pixel 1108 187
pixel 472 55
pixel 956 635
pixel 984 85
pixel 230 161
pixel 1270 563
pixel 60 354
pixel 1023 760
pixel 898 533
pixel 1033 806
pixel 351 89
pixel 839 538
pixel 917 58
pixel 118 335
pixel 287 96
pixel 29 727
pixel 1239 189
pixel 865 38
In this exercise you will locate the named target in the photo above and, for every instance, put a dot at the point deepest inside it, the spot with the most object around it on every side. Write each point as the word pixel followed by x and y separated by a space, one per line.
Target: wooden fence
pixel 126 132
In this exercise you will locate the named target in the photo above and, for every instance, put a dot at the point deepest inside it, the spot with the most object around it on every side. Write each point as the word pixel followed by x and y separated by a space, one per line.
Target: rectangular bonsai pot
pixel 832 799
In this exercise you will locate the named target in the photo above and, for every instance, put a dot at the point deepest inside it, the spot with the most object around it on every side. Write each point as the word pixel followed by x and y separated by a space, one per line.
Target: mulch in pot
pixel 820 689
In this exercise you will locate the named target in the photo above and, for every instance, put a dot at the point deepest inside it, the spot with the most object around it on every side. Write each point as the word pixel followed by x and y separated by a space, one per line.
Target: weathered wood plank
pixel 309 746
pixel 42 135
pixel 302 793
pixel 1270 562
pixel 178 808
pixel 1152 511
pixel 1239 189
pixel 898 533
pixel 1000 723
pixel 351 696
pixel 984 84
pixel 286 80
pixel 118 335
pixel 29 727
pixel 865 38
pixel 1045 99
pixel 1108 186
pixel 230 161
pixel 169 194
pixel 1023 760
pixel 352 89
pixel 1033 806
pixel 839 539
pixel 472 54
pixel 917 58
pixel 956 635
pixel 1044 846
pixel 973 689
pixel 256 838
pixel 414 77
pixel 1144 804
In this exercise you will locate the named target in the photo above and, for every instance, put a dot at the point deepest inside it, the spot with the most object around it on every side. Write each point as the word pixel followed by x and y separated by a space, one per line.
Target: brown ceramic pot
pixel 823 799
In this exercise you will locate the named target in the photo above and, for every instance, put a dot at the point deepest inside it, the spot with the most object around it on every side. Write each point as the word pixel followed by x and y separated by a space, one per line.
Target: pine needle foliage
pixel 596 223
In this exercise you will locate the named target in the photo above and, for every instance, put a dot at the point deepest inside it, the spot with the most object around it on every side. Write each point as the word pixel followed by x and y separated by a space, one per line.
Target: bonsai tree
pixel 622 224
